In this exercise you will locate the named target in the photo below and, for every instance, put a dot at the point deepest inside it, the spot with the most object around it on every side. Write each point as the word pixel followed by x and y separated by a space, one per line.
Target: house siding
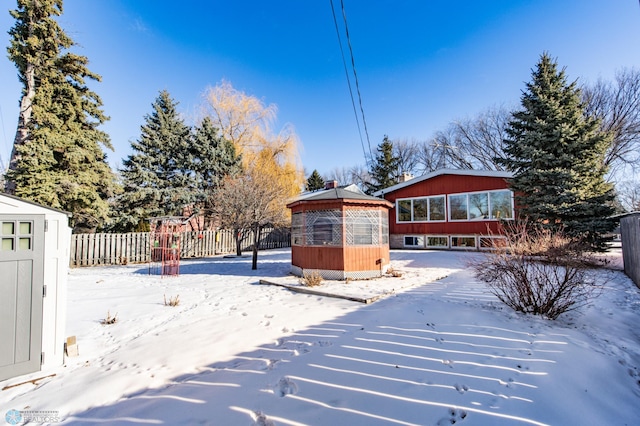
pixel 442 185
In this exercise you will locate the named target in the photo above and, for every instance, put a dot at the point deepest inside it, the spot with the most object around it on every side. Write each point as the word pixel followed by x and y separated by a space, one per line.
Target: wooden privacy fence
pixel 135 247
pixel 630 234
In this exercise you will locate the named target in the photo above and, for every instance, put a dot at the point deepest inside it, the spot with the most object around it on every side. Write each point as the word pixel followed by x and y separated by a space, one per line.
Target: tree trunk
pixel 238 236
pixel 24 120
pixel 256 243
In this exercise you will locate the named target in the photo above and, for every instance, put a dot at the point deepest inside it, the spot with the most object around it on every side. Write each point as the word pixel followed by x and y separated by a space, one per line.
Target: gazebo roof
pixel 350 192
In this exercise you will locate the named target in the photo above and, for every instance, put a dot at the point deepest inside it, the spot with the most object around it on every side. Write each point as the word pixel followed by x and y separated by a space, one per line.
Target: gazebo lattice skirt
pixel 329 274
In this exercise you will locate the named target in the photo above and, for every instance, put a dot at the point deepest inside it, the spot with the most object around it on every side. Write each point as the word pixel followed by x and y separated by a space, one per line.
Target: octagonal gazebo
pixel 340 232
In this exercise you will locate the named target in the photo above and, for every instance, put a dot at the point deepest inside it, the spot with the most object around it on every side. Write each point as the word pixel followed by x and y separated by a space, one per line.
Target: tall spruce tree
pixel 57 157
pixel 557 157
pixel 156 178
pixel 385 169
pixel 212 158
pixel 314 181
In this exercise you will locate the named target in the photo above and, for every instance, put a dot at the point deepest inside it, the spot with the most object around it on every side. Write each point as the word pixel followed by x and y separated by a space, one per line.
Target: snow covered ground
pixel 436 350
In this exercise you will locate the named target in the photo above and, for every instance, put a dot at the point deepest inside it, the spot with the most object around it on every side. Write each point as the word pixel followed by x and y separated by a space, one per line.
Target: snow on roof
pixel 349 192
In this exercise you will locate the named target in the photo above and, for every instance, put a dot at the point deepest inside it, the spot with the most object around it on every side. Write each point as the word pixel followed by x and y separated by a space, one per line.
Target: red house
pixel 340 233
pixel 458 209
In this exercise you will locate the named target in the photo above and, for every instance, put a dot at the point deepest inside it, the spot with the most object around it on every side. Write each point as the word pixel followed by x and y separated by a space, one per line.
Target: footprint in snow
pixel 454 416
pixel 286 386
pixel 461 388
pixel 262 420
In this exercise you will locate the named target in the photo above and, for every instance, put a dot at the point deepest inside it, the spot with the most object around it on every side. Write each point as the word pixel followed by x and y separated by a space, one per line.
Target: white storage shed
pixel 34 262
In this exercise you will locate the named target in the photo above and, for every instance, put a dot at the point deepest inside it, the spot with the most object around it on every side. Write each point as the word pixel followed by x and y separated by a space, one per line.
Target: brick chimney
pixel 405 177
pixel 331 184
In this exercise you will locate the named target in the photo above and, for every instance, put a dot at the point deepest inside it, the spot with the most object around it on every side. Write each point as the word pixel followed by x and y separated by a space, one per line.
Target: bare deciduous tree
pixel 340 175
pixel 247 122
pixel 407 152
pixel 629 195
pixel 617 105
pixel 430 157
pixel 355 175
pixel 479 141
pixel 247 204
pixel 473 143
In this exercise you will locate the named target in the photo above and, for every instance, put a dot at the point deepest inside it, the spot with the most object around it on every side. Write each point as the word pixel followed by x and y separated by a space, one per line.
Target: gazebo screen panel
pixel 297 229
pixel 323 227
pixel 365 227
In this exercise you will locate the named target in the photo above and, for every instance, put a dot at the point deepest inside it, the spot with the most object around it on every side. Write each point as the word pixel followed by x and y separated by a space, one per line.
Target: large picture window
pixel 481 206
pixel 420 209
pixel 425 209
pixel 501 205
pixel 458 207
pixel 469 206
pixel 436 208
pixel 478 206
pixel 404 210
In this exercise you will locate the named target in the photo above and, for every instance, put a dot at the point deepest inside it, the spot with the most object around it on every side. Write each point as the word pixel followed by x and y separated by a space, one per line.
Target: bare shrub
pixel 173 300
pixel 538 271
pixel 393 272
pixel 109 319
pixel 311 279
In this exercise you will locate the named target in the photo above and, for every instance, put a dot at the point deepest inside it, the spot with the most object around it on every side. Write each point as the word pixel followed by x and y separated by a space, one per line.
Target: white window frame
pixel 487 237
pixel 451 246
pixel 446 238
pixel 490 207
pixel 427 197
pixel 416 238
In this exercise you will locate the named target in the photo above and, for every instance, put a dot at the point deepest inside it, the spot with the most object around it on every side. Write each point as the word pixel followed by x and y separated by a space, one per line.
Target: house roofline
pixel 440 172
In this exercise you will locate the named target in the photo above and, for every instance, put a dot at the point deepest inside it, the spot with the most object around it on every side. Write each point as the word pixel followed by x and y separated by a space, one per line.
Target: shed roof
pixel 13 204
pixel 440 172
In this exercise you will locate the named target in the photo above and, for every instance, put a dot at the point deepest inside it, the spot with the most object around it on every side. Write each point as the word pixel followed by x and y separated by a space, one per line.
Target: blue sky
pixel 421 64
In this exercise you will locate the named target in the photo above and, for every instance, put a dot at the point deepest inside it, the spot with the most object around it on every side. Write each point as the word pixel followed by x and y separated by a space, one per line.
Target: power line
pixel 355 75
pixel 344 63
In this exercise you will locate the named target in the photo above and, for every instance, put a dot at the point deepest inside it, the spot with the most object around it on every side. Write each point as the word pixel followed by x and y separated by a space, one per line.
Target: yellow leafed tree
pixel 247 122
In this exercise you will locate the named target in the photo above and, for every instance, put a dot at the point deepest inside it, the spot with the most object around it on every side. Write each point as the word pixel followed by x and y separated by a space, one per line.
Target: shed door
pixel 21 293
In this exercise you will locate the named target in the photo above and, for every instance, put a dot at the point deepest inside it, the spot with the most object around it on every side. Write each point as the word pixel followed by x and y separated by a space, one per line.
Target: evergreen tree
pixel 212 159
pixel 314 181
pixel 557 157
pixel 57 157
pixel 385 169
pixel 156 177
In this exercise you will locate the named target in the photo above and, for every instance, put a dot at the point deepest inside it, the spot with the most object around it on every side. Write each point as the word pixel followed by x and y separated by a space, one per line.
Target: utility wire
pixel 346 72
pixel 355 75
